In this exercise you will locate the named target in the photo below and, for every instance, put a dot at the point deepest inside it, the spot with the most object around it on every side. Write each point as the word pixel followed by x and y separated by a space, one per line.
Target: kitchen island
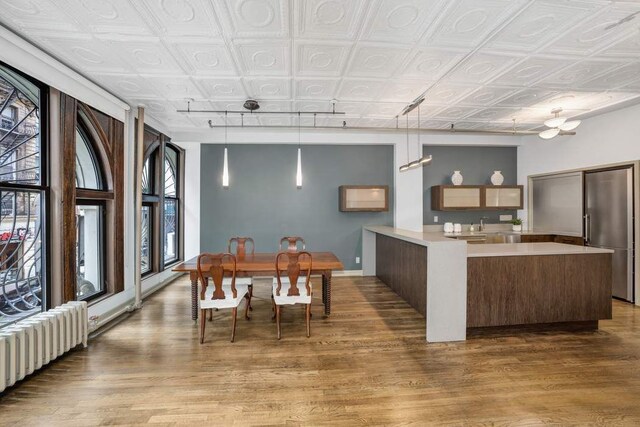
pixel 456 286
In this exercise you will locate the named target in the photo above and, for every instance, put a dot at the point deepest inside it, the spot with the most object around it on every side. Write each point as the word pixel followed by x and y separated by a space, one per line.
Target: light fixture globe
pixel 549 133
pixel 567 126
pixel 425 160
pixel 555 122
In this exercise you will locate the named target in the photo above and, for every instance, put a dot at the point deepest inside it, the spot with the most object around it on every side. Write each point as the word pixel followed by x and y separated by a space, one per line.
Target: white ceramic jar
pixel 497 178
pixel 448 227
pixel 456 178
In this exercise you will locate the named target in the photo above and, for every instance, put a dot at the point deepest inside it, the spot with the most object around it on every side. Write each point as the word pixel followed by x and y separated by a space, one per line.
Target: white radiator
pixel 33 342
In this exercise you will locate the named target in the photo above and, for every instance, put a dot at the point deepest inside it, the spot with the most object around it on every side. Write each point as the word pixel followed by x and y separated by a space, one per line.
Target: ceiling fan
pixel 558 124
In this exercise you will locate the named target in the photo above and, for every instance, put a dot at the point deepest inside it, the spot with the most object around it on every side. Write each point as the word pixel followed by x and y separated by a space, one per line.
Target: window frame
pixel 43 186
pixel 102 247
pixel 155 151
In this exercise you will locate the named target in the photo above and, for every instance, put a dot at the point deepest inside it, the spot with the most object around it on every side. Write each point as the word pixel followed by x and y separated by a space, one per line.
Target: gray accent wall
pixel 262 200
pixel 476 164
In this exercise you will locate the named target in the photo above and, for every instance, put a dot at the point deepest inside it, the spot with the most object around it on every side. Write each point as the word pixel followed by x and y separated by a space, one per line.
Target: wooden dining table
pixel 264 264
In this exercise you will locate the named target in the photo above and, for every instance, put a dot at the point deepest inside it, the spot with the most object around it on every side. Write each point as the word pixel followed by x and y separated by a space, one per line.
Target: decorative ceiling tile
pixel 494 114
pixel 487 96
pixel 628 47
pixel 481 68
pixel 375 61
pixel 146 56
pixel 181 17
pixel 575 75
pixel 29 15
pixel 221 88
pixel 468 22
pixel 540 23
pixel 455 113
pixel 256 18
pixel 321 59
pixel 328 19
pixel 527 97
pixel 315 88
pixel 275 120
pixel 115 16
pixel 383 110
pixel 447 93
pixel 206 58
pixel 599 30
pixel 86 52
pixel 430 64
pixel 265 59
pixel 401 21
pixel 530 71
pixel 614 79
pixel 263 88
pixel 127 85
pixel 403 91
pixel 175 87
pixel 360 89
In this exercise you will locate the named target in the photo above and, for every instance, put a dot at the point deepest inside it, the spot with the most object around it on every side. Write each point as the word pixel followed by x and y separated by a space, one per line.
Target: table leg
pixel 326 287
pixel 194 295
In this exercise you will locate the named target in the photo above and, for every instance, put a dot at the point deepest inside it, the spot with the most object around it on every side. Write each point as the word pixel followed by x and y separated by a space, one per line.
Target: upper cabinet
pixel 476 197
pixel 503 197
pixel 364 198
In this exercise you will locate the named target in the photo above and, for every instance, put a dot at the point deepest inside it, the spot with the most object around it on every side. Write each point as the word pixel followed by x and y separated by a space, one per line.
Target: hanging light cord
pixel 225 129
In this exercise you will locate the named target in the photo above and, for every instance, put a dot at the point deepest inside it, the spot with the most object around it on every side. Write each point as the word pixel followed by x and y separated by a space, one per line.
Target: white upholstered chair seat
pixel 283 299
pixel 239 281
pixel 229 301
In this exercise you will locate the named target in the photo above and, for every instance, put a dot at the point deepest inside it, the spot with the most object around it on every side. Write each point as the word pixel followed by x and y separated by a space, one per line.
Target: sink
pixel 490 238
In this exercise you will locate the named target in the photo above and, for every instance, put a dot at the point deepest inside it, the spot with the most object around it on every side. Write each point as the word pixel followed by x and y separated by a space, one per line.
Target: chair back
pixel 292 243
pixel 241 246
pixel 211 265
pixel 293 271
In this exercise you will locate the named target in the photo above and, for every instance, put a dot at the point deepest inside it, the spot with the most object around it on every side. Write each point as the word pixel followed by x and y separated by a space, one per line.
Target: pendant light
pixel 421 161
pixel 299 166
pixel 225 166
pixel 557 124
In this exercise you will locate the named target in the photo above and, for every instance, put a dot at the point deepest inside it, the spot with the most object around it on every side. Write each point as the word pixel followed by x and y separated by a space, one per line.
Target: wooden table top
pixel 265 261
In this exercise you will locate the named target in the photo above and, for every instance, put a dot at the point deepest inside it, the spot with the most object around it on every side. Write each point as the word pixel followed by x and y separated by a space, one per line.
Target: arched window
pixel 91 211
pixel 161 188
pixel 22 190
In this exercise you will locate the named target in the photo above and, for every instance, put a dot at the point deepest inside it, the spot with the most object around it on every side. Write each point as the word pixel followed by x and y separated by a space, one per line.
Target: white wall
pixel 609 138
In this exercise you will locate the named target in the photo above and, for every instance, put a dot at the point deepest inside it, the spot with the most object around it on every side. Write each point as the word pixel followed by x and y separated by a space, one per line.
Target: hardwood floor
pixel 367 364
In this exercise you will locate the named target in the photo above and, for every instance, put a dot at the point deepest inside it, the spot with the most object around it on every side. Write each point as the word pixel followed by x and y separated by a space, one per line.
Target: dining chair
pixel 220 295
pixel 240 252
pixel 294 288
pixel 292 243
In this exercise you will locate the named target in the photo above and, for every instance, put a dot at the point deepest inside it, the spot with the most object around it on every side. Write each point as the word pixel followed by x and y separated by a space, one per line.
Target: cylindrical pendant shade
pixel 225 170
pixel 299 169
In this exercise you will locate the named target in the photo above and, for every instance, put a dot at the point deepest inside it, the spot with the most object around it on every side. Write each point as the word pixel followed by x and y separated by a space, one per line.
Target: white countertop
pixel 417 237
pixel 487 249
pixel 529 249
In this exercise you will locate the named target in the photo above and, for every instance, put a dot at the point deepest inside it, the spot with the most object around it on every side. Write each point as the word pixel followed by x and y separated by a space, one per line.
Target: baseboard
pixel 348 273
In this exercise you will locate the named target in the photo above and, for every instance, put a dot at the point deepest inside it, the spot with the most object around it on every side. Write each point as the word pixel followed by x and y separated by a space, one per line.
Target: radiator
pixel 31 343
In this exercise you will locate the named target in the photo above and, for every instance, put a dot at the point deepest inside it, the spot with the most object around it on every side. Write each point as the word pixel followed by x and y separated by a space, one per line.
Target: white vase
pixel 517 227
pixel 497 178
pixel 456 178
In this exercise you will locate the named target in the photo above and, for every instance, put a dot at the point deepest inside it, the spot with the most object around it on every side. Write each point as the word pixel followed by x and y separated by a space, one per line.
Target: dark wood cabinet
pixel 537 238
pixel 569 240
pixel 476 197
pixel 364 198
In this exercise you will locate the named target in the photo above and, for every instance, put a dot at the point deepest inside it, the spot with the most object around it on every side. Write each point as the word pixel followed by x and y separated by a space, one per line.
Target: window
pixel 161 188
pixel 89 250
pixel 170 205
pixel 22 195
pixel 91 227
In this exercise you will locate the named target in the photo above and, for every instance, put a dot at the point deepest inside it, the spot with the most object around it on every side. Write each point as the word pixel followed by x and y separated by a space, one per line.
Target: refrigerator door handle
pixel 587 229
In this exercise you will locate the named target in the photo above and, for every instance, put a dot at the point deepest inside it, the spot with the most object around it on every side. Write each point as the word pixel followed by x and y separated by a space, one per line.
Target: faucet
pixel 481 228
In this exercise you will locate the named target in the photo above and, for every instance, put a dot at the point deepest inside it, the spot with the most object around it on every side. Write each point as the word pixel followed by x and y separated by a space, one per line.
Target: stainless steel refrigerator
pixel 608 223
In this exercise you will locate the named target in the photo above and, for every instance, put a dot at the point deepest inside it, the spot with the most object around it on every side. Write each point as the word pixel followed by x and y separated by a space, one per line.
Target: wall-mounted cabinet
pixel 476 197
pixel 364 198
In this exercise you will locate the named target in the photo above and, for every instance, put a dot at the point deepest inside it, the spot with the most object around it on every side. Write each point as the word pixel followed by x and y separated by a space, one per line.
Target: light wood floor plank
pixel 367 364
